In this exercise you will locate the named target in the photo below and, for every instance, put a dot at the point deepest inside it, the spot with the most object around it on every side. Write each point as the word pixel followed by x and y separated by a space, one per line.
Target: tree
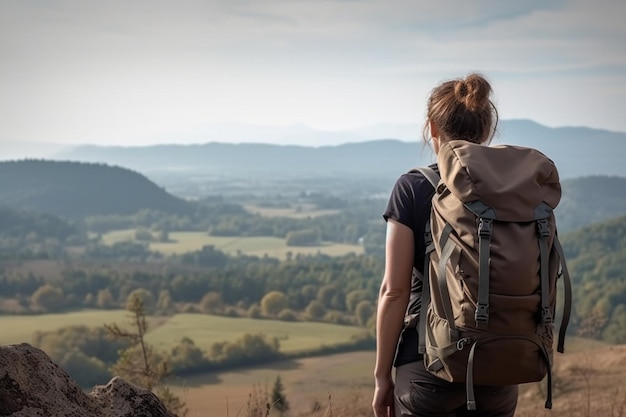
pixel 48 297
pixel 353 298
pixel 254 311
pixel 143 295
pixel 273 302
pixel 186 355
pixel 141 364
pixel 164 303
pixel 104 299
pixel 307 237
pixel 315 310
pixel 363 312
pixel 211 302
pixel 287 315
pixel 326 293
pixel 279 401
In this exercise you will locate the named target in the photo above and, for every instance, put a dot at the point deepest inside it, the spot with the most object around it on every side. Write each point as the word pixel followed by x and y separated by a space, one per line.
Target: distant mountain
pixel 576 151
pixel 590 200
pixel 74 190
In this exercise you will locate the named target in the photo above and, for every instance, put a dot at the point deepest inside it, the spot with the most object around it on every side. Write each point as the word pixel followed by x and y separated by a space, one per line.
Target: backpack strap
pixel 430 174
pixel 486 215
pixel 421 327
pixel 567 305
pixel 433 178
pixel 447 250
pixel 481 316
pixel 544 233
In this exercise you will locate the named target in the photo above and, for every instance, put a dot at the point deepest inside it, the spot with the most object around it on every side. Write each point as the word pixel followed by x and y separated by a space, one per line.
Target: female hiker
pixel 456 110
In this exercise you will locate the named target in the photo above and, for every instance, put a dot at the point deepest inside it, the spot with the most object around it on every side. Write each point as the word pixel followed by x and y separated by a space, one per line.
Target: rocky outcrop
pixel 31 385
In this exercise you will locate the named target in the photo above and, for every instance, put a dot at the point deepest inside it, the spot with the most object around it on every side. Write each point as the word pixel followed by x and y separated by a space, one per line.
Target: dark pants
pixel 421 394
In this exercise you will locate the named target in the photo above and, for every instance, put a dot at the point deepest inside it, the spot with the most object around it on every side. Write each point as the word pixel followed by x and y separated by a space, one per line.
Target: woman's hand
pixel 383 398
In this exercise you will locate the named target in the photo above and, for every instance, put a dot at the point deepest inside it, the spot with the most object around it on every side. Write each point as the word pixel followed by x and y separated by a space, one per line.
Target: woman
pixel 457 110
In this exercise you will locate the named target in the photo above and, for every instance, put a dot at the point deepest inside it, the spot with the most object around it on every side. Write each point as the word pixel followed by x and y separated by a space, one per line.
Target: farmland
pixel 182 242
pixel 205 330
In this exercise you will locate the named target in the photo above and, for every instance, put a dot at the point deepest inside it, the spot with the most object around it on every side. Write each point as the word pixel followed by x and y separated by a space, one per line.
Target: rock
pixel 31 385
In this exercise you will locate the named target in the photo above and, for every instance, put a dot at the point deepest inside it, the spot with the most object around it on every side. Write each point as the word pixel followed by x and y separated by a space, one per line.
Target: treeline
pixel 89 353
pixel 315 287
pixel 27 235
pixel 309 287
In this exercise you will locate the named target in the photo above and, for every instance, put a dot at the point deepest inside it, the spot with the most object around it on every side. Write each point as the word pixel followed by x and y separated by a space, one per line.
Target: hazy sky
pixel 136 71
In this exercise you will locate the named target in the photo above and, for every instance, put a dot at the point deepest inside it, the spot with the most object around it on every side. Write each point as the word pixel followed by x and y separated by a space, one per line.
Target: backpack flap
pixel 512 180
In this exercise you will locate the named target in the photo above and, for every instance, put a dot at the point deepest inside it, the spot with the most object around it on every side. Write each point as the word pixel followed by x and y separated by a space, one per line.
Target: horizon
pixel 143 73
pixel 304 136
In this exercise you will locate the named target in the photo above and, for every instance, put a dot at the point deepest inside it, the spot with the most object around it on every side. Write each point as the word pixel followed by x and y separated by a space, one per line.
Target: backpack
pixel 492 263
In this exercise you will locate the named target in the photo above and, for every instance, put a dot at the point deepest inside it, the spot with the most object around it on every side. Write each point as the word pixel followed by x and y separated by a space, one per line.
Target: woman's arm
pixel 392 303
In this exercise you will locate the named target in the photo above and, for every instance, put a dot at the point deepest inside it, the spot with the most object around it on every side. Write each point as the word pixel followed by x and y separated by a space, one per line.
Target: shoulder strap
pixel 567 305
pixel 430 175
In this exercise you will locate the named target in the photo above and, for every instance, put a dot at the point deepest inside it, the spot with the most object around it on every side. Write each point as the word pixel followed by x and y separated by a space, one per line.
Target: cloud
pixel 75 70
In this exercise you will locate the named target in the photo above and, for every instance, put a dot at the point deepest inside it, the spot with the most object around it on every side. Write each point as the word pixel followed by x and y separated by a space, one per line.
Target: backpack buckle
pixel 543 229
pixel 428 237
pixel 484 227
pixel 546 315
pixel 482 314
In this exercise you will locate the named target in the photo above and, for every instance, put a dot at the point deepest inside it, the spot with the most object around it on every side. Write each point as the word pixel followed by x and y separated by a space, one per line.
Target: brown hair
pixel 462 110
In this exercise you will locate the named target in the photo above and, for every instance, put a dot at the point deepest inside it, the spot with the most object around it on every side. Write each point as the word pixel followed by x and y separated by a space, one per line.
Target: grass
pixel 342 376
pixel 18 329
pixel 348 379
pixel 165 332
pixel 182 242
pixel 205 330
pixel 300 212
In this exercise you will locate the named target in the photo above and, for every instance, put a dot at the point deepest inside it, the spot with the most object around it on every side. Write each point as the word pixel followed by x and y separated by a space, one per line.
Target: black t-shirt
pixel 410 203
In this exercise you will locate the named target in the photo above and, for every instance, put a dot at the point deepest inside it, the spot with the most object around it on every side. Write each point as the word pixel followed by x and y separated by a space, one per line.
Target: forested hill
pixel 590 200
pixel 74 190
pixel 596 257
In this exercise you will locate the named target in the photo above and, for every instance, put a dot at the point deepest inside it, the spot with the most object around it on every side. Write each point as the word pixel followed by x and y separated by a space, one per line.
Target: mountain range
pixel 577 151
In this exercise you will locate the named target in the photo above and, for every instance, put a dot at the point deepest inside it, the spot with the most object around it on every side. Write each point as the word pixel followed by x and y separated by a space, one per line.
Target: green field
pixel 300 212
pixel 18 329
pixel 182 242
pixel 203 329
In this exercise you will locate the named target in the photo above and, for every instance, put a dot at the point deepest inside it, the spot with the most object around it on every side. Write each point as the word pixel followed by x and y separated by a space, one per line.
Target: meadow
pixel 20 328
pixel 203 329
pixel 300 212
pixel 182 242
pixel 588 377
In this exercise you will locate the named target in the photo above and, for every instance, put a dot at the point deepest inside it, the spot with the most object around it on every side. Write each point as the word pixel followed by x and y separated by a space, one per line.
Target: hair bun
pixel 473 92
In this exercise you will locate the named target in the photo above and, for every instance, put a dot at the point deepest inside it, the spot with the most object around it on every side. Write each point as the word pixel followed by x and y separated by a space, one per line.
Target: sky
pixel 138 72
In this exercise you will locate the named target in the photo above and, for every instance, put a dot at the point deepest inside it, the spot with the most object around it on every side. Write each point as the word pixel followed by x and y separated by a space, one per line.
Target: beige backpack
pixel 492 263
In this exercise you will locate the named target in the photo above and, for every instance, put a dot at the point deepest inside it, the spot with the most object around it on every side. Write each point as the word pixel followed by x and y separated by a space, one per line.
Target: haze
pixel 144 72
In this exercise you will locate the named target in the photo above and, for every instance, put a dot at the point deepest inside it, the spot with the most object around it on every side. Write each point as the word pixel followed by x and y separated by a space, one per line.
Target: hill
pixel 74 190
pixel 590 200
pixel 596 255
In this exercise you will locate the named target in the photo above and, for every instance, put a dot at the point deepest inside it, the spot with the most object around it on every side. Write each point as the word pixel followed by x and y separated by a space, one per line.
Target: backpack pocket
pixel 464 355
